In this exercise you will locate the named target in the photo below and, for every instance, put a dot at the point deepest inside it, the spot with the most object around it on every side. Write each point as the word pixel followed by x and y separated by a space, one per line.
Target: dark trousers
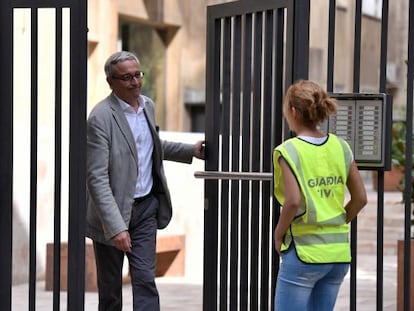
pixel 142 260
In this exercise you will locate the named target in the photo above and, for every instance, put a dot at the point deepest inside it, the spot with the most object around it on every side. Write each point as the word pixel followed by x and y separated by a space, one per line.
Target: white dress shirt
pixel 144 144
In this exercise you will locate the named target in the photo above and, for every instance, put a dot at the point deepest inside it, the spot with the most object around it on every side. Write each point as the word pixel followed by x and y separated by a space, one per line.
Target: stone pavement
pixel 179 294
pixel 185 293
pixel 176 294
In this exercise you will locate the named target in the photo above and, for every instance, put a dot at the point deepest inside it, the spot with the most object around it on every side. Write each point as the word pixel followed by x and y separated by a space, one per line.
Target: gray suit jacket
pixel 112 169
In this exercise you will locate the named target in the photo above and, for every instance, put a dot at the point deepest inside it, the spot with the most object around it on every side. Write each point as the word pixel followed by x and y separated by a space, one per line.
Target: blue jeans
pixel 307 287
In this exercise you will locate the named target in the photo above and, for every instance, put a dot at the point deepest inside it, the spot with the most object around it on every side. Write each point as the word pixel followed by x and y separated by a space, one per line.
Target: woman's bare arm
pixel 358 193
pixel 290 207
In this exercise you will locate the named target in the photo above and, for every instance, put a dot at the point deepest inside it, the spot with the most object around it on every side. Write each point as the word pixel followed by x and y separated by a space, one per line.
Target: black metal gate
pixel 75 25
pixel 248 64
pixel 255 49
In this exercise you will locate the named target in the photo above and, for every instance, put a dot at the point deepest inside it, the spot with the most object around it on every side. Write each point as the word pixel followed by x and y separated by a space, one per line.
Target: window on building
pixel 198 116
pixel 147 43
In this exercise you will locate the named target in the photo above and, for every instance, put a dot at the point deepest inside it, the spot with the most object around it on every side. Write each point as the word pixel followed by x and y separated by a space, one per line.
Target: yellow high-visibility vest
pixel 319 231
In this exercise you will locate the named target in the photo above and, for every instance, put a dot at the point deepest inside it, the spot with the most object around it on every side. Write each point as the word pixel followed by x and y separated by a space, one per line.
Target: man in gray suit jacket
pixel 128 196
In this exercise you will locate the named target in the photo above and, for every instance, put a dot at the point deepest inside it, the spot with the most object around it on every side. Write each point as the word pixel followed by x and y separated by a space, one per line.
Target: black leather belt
pixel 142 199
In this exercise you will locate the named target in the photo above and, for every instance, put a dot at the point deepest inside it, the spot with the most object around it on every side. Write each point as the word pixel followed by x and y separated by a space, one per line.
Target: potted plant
pixel 393 179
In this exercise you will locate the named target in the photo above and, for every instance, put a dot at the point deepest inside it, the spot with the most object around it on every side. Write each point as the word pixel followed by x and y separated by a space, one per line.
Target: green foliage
pixel 398 149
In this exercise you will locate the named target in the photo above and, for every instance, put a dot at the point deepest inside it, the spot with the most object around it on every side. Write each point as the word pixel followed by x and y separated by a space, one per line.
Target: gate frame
pixel 77 155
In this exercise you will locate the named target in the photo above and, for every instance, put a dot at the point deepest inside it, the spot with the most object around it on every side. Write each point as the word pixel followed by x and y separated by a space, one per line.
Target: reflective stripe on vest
pixel 321 229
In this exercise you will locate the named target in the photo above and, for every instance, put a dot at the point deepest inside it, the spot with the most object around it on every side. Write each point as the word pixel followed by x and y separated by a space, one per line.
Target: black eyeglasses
pixel 128 77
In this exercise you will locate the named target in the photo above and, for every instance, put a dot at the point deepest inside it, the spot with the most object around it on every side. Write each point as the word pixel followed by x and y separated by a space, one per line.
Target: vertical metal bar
pixel 408 154
pixel 290 44
pixel 380 186
pixel 357 46
pixel 235 160
pixel 77 156
pixel 58 162
pixel 212 145
pixel 266 194
pixel 245 185
pixel 225 150
pixel 331 46
pixel 301 39
pixel 384 46
pixel 380 240
pixel 255 157
pixel 354 223
pixel 277 117
pixel 278 73
pixel 6 154
pixel 33 159
pixel 299 47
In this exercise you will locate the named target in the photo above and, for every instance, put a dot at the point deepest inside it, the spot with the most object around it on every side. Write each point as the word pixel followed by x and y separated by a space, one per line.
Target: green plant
pixel 398 156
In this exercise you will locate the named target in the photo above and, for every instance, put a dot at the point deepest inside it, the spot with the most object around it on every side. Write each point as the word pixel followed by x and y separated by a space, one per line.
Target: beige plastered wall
pixel 185 24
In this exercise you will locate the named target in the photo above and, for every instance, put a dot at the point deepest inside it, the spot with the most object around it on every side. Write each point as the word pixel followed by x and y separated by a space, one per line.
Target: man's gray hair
pixel 116 58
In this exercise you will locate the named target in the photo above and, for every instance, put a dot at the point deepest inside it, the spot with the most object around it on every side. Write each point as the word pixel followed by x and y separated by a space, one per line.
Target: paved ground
pixel 185 294
pixel 179 294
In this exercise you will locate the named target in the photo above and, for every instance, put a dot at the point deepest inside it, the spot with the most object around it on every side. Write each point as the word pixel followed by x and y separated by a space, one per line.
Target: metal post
pixel 6 154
